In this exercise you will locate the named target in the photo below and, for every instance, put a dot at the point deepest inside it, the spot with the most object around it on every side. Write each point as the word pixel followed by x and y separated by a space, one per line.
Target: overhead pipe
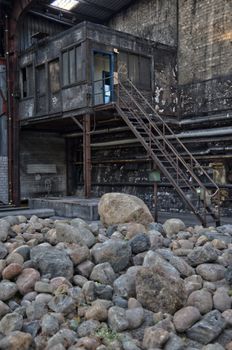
pixel 115 143
pixel 98 132
pixel 204 119
pixel 189 134
pixel 204 132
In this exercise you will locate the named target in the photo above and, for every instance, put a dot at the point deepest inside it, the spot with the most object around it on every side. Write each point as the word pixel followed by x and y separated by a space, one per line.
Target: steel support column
pixel 12 35
pixel 87 155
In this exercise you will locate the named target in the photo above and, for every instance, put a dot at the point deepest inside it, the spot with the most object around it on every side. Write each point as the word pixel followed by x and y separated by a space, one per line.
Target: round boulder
pixel 119 208
pixel 173 226
pixel 185 318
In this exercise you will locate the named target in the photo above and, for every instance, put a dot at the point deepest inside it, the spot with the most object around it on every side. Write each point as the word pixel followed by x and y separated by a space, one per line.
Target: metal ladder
pixel 164 148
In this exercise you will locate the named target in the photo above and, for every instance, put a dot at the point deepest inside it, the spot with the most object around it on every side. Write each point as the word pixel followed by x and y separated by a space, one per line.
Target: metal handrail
pixel 166 141
pixel 169 159
pixel 165 125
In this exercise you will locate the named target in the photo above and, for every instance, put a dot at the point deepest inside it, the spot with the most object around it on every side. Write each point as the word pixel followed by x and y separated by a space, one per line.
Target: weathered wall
pixel 204 55
pixel 43 169
pixel 151 19
pixel 3 161
pixel 165 96
pixel 31 24
pixel 3 179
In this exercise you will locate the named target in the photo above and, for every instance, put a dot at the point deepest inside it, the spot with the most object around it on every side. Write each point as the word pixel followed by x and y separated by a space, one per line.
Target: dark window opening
pixel 72 66
pixel 41 89
pixel 54 76
pixel 27 82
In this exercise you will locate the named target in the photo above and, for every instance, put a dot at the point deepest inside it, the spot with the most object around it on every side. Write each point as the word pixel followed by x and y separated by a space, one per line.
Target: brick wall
pixel 205 35
pixel 4 179
pixel 151 19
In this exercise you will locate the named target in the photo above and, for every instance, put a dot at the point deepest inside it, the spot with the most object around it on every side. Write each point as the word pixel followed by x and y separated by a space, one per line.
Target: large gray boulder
pixel 7 290
pixel 51 261
pixel 159 293
pixel 74 234
pixel 173 226
pixel 207 329
pixel 119 208
pixel 185 318
pixel 115 252
pixel 158 264
pixel 201 255
pixel 4 230
pixel 124 285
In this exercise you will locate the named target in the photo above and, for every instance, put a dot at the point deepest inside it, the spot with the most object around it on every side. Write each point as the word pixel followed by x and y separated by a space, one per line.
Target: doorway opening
pixel 103 70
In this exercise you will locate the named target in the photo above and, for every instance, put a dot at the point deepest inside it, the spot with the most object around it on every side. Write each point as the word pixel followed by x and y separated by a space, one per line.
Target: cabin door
pixel 103 77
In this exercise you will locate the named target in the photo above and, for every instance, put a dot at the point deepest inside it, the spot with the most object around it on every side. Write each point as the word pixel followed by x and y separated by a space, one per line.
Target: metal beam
pixel 87 155
pixel 52 18
pixel 78 15
pixel 77 122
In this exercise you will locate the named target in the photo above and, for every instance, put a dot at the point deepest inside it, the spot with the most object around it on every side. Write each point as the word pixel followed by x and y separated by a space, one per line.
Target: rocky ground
pixel 117 286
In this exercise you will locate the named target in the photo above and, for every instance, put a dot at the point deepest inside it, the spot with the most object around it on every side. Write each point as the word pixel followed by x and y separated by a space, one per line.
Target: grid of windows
pixel 72 65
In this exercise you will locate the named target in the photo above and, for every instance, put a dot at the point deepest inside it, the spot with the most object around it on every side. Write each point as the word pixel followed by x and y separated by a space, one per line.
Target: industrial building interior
pixel 131 96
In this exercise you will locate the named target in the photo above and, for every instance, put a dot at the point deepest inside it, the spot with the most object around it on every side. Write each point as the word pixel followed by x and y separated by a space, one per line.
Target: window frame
pixel 50 90
pixel 30 82
pixel 77 79
pixel 38 93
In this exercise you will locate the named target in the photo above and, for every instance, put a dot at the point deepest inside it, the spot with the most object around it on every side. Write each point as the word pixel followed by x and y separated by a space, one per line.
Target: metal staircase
pixel 184 173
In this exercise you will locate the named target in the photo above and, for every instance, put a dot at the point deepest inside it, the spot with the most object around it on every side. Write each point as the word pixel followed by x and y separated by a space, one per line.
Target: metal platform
pixel 70 207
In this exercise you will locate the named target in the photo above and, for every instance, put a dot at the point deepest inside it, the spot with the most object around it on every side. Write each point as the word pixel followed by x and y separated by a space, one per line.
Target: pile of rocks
pixel 129 286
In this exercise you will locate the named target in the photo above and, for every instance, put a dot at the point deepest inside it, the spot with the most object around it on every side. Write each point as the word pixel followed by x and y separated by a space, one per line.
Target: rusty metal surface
pixel 87 155
pixel 142 118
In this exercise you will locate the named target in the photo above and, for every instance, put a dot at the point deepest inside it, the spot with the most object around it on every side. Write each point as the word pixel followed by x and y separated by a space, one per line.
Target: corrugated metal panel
pixel 100 9
pixel 33 24
pixel 115 5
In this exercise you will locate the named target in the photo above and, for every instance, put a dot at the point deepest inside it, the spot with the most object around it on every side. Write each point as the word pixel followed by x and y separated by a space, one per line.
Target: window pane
pixel 134 68
pixel 24 83
pixel 145 73
pixel 79 67
pixel 54 76
pixel 65 69
pixel 72 77
pixel 41 81
pixel 30 79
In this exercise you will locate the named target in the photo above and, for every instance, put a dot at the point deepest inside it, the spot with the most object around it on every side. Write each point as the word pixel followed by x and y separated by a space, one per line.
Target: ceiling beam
pixel 52 18
pixel 81 15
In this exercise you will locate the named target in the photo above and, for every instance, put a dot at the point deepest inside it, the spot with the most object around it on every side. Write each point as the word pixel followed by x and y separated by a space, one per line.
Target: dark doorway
pixel 103 69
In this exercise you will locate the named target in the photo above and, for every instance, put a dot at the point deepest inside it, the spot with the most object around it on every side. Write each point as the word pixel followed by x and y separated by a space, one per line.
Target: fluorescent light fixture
pixel 65 4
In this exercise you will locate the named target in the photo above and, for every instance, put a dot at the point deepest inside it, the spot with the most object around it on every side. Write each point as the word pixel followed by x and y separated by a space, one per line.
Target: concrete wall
pixel 204 55
pixel 151 19
pixel 42 164
pixel 3 161
pixel 204 47
pixel 3 179
pixel 205 34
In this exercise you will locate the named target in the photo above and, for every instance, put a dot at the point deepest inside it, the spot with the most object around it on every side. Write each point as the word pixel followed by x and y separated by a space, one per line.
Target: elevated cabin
pixel 71 135
pixel 73 72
